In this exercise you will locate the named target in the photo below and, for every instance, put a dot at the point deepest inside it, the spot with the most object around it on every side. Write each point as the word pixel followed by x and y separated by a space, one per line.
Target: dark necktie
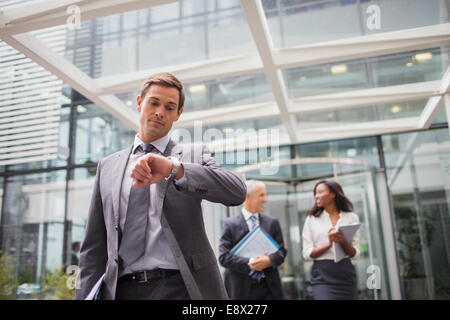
pixel 132 245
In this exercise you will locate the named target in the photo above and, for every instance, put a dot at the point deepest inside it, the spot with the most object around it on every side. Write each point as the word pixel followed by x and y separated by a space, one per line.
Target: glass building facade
pixel 398 178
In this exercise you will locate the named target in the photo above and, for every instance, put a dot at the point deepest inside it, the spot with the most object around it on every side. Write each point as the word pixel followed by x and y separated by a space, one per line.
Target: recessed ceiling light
pixel 227 130
pixel 421 57
pixel 339 68
pixel 396 109
pixel 199 88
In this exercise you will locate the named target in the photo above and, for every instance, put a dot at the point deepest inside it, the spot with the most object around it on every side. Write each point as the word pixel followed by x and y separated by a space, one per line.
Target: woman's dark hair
pixel 341 201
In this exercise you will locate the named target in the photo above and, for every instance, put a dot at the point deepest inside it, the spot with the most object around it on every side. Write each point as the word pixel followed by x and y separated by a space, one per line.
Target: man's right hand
pixel 151 168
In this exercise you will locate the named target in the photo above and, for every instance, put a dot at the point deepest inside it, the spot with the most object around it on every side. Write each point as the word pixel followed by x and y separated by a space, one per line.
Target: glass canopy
pixel 313 70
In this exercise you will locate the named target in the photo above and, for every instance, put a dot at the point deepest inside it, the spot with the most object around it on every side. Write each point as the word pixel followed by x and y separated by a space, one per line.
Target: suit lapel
pixel 263 223
pixel 173 150
pixel 120 166
pixel 243 227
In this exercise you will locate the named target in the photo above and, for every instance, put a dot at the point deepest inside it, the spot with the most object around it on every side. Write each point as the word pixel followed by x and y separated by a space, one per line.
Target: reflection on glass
pixel 345 116
pixel 293 23
pixel 419 180
pixel 98 134
pixel 382 71
pixel 33 224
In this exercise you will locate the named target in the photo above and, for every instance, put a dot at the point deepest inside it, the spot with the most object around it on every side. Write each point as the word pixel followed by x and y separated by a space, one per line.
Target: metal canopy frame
pixel 17 22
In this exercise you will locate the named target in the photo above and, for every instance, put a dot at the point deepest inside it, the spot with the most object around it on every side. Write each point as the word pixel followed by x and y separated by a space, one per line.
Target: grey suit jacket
pixel 181 221
pixel 237 280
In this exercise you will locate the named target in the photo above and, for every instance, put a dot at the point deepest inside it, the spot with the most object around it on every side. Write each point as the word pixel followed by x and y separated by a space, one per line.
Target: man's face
pixel 257 199
pixel 158 110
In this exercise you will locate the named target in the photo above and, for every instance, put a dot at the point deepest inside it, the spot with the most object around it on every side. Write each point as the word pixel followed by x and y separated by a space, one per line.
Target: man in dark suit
pixel 145 232
pixel 256 278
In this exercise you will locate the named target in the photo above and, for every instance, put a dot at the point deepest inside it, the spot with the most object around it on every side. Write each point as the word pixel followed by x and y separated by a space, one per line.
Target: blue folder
pixel 255 243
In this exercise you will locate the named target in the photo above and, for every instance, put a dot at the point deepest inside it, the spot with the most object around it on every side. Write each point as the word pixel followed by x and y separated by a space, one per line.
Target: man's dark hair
pixel 167 80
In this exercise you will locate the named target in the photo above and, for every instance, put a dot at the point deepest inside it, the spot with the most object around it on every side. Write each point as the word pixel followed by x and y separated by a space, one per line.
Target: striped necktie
pixel 253 220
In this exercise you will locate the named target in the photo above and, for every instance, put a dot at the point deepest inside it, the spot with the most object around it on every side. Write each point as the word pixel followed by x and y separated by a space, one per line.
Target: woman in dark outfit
pixel 330 280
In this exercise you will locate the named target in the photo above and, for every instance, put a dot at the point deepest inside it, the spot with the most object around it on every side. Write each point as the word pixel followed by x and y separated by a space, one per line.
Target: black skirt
pixel 333 281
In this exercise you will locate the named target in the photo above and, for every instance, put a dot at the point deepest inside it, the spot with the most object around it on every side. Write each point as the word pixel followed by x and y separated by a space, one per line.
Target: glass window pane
pixel 419 180
pixel 231 130
pixel 364 149
pixel 293 22
pixel 441 117
pixel 170 34
pixel 81 185
pixel 389 70
pixel 98 134
pixel 227 92
pixel 337 117
pixel 33 224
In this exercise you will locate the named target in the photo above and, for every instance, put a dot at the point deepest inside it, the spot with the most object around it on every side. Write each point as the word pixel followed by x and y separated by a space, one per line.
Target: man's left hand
pixel 259 263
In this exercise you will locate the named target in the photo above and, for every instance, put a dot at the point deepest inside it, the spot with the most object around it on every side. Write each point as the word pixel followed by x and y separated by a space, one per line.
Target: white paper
pixel 255 243
pixel 348 231
pixel 95 289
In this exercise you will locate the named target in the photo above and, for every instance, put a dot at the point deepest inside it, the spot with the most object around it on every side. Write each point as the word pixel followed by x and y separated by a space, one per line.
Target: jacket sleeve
pixel 226 259
pixel 278 256
pixel 206 179
pixel 93 253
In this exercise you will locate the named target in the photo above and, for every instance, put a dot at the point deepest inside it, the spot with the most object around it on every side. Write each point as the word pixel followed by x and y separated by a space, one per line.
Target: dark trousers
pixel 260 291
pixel 169 288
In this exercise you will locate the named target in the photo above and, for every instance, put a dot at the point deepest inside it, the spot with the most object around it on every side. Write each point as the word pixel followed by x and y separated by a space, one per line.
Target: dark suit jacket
pixel 237 280
pixel 181 221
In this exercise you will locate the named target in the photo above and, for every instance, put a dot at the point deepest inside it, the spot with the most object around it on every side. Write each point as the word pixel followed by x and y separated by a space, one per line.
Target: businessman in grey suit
pixel 240 280
pixel 145 230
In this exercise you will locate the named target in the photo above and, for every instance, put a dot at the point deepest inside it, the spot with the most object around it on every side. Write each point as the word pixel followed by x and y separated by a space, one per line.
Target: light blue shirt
pixel 157 250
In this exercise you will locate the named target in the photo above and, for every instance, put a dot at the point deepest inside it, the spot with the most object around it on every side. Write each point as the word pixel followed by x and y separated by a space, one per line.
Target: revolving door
pixel 290 186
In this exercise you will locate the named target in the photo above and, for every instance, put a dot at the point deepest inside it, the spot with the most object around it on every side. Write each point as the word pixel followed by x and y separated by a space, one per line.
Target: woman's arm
pixel 320 250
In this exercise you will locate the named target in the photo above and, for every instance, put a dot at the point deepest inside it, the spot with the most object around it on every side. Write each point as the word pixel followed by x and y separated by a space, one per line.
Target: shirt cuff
pixel 357 253
pixel 307 253
pixel 181 183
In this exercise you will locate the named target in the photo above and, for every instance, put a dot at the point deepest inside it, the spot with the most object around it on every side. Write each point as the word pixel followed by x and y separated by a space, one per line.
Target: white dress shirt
pixel 315 234
pixel 157 250
pixel 247 216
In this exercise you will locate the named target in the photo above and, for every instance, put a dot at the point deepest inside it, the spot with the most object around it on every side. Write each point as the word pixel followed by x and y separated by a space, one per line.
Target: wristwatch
pixel 175 168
